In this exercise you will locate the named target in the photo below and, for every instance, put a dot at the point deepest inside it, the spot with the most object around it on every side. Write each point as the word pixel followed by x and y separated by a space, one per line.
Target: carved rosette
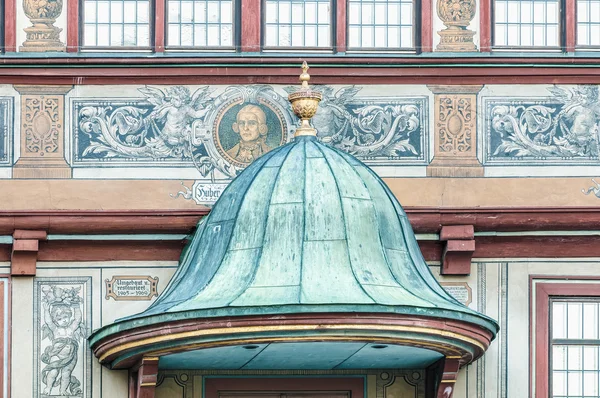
pixel 456 15
pixel 42 133
pixel 455 132
pixel 42 35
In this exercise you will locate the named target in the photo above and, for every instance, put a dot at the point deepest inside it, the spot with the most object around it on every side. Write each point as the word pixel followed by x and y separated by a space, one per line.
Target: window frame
pixel 544 290
pixel 417 22
pixel 152 23
pixel 567 31
pixel 236 33
pixel 562 6
pixel 333 36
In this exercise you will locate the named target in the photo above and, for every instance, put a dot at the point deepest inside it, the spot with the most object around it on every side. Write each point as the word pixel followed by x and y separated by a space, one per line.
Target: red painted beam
pixel 251 25
pixel 73 26
pixel 10 25
pixel 341 39
pixel 426 26
pixel 159 26
pixel 485 26
pixel 570 25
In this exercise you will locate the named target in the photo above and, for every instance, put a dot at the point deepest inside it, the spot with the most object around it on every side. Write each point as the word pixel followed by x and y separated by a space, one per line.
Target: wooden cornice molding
pixel 283 70
pixel 452 246
pixel 422 219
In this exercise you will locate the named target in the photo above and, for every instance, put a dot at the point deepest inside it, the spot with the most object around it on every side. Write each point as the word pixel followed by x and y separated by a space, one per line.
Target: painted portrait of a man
pixel 251 127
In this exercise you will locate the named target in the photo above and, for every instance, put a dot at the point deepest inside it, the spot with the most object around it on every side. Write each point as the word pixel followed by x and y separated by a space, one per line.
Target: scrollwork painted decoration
pixel 563 128
pixel 224 129
pixel 373 129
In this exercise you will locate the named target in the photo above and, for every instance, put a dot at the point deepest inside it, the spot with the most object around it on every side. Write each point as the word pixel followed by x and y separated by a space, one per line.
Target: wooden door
pixel 284 394
pixel 296 387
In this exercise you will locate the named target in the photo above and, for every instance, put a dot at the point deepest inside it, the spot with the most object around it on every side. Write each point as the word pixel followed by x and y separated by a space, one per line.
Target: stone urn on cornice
pixel 42 35
pixel 456 15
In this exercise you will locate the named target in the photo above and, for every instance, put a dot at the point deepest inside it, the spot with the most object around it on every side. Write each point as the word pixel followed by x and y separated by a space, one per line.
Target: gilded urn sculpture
pixel 42 35
pixel 456 15
pixel 305 103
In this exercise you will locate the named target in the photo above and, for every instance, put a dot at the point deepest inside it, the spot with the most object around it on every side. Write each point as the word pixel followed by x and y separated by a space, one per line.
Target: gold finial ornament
pixel 305 103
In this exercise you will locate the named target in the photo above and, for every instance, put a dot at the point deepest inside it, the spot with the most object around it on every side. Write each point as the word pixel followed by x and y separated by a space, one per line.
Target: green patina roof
pixel 305 228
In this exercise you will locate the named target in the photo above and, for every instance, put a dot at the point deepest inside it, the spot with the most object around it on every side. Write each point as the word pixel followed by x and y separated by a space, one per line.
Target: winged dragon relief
pixel 371 130
pixel 567 130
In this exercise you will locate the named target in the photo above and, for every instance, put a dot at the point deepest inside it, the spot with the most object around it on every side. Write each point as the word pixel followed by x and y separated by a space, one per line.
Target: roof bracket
pixel 458 250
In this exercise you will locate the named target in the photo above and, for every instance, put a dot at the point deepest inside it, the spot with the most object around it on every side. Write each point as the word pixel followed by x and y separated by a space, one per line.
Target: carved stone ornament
pixel 43 35
pixel 42 132
pixel 455 150
pixel 456 15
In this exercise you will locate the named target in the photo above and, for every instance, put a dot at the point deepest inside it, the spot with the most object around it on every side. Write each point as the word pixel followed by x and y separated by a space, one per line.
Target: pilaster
pixel 42 132
pixel 455 132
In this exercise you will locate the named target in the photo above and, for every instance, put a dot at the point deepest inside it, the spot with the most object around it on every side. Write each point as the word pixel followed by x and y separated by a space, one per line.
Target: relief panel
pixel 559 129
pixel 225 129
pixel 62 322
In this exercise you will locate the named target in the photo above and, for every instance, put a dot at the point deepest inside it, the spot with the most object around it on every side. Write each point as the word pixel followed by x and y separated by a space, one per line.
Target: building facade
pixel 124 120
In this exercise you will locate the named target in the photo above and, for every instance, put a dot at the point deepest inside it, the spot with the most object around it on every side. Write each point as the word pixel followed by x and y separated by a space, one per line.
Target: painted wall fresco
pixel 6 130
pixel 62 323
pixel 561 128
pixel 175 126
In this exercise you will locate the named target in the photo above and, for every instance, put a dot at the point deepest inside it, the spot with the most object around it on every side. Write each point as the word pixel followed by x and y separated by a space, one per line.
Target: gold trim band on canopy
pixel 291 328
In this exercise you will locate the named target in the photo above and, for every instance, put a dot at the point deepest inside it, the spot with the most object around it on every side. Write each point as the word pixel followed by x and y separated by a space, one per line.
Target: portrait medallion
pixel 243 131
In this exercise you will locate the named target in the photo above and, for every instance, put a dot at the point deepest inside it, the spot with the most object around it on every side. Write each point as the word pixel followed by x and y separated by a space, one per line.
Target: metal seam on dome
pixel 304 240
pixel 264 159
pixel 260 252
pixel 381 245
pixel 410 248
pixel 345 227
pixel 203 224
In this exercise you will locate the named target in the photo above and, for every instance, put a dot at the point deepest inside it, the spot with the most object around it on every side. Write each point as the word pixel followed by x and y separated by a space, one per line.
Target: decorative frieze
pixel 561 128
pixel 456 15
pixel 455 149
pixel 42 35
pixel 42 133
pixel 206 127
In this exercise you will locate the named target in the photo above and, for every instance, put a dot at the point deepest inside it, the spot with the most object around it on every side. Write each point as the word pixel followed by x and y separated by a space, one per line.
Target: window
pixel 200 23
pixel 298 24
pixel 575 347
pixel 588 23
pixel 116 23
pixel 526 23
pixel 565 341
pixel 381 24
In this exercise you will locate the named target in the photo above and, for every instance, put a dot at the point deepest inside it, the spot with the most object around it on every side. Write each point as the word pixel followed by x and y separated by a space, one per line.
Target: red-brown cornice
pixel 423 220
pixel 283 70
pixel 558 221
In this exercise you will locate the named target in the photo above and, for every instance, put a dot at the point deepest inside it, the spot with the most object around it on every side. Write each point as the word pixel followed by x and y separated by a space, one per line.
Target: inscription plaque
pixel 461 291
pixel 131 287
